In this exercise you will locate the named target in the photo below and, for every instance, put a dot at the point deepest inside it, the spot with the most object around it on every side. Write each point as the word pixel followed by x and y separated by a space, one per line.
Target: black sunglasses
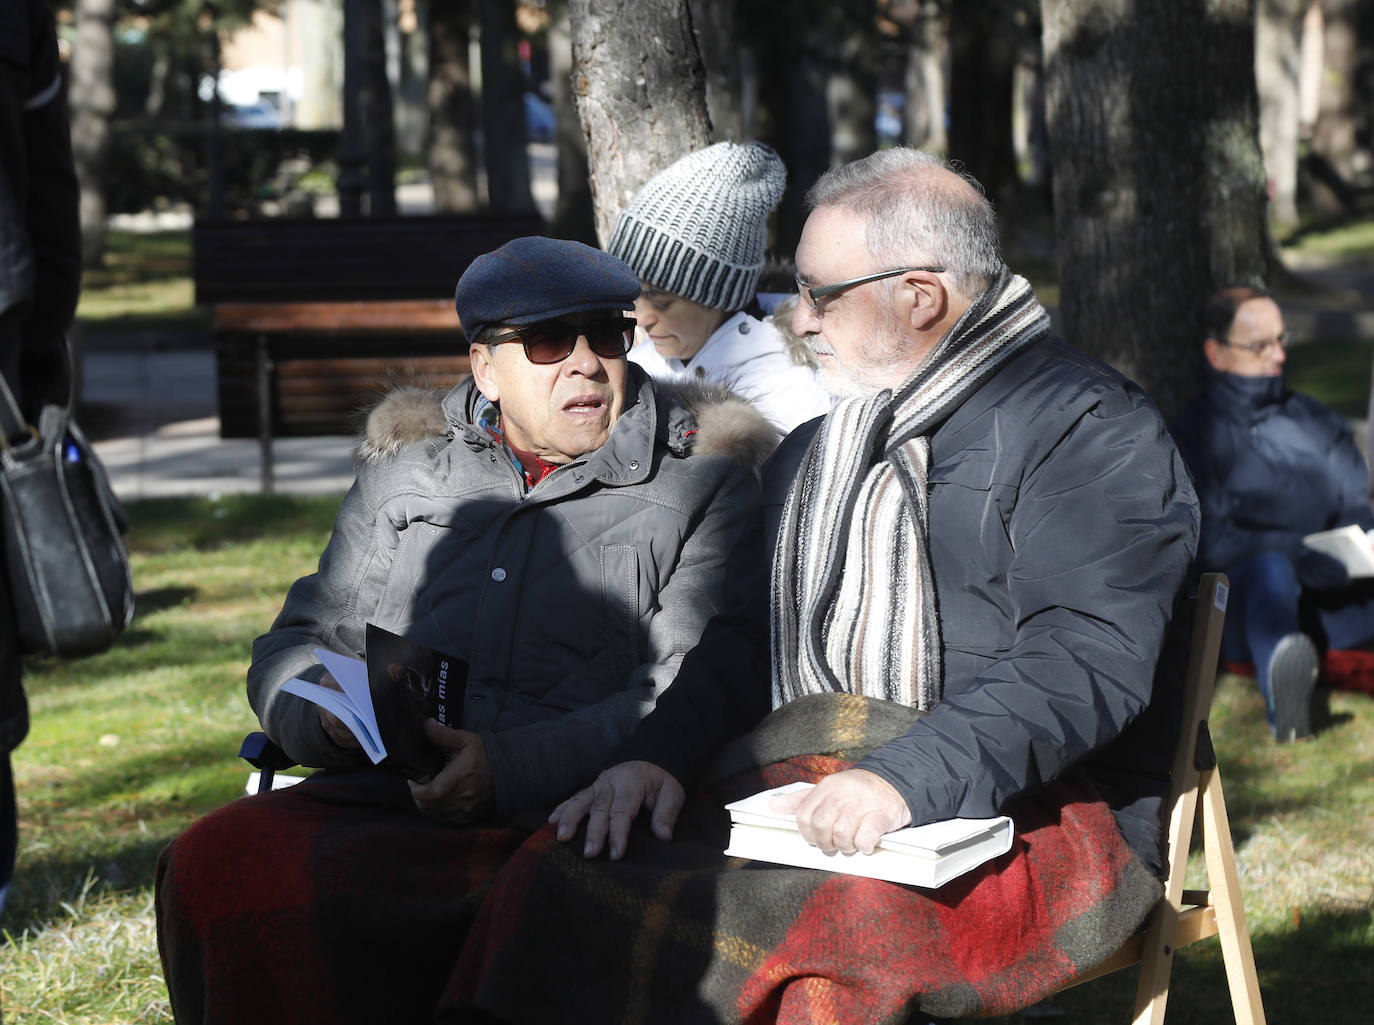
pixel 552 341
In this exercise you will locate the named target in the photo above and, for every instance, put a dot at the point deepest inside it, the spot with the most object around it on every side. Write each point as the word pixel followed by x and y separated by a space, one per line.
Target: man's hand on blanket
pixel 462 790
pixel 333 725
pixel 846 812
pixel 611 803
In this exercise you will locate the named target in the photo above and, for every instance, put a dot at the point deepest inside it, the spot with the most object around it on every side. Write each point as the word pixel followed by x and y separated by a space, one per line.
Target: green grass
pixel 1336 373
pixel 144 284
pixel 1351 243
pixel 128 747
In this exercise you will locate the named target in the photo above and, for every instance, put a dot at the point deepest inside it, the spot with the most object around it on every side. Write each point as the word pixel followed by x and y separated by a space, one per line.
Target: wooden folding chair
pixel 1186 916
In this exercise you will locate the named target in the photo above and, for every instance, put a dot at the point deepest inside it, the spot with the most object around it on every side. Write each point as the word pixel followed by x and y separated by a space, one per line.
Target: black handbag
pixel 65 562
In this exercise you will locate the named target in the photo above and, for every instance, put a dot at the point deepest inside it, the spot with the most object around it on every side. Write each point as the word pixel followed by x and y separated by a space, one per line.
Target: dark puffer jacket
pixel 1269 465
pixel 573 603
pixel 1062 525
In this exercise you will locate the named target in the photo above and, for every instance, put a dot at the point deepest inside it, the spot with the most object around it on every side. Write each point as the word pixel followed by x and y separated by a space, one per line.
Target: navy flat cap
pixel 536 278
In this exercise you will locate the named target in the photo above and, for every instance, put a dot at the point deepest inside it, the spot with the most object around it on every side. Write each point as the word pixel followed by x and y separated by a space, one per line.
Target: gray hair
pixel 918 210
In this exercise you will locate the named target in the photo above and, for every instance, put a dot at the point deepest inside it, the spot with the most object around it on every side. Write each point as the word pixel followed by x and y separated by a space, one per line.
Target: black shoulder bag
pixel 65 562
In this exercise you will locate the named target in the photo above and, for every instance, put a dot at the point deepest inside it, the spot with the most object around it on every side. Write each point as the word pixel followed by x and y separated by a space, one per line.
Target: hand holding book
pixel 928 855
pixel 383 703
pixel 333 725
pixel 846 812
pixel 462 790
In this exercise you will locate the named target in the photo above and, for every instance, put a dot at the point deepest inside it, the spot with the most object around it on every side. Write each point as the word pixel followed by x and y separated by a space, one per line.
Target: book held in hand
pixel 929 855
pixel 1351 545
pixel 387 698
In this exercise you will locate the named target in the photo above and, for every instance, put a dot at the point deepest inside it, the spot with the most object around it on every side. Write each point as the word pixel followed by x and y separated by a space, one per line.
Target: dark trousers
pixel 1268 602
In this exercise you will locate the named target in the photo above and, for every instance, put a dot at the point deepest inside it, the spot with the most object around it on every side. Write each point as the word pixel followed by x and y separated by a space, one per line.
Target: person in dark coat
pixel 40 279
pixel 989 526
pixel 1272 466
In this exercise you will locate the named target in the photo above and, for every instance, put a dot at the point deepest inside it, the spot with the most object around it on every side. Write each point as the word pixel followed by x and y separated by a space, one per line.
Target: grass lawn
pixel 144 285
pixel 130 746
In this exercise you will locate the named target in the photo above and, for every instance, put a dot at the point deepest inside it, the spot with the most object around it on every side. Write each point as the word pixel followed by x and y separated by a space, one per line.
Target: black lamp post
pixel 351 156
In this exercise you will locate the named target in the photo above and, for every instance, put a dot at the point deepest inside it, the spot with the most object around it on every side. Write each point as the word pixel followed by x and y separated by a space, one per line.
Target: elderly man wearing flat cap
pixel 558 522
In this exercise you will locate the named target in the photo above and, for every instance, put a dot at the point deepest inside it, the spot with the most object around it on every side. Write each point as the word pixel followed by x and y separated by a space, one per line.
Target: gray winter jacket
pixel 573 603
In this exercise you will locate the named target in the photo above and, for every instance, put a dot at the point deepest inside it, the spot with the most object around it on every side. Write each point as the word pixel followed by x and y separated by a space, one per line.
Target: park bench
pixel 314 319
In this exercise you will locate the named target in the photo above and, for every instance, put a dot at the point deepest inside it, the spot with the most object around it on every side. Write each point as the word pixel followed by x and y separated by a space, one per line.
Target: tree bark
pixel 1334 143
pixel 850 92
pixel 379 127
pixel 573 215
pixel 503 111
pixel 924 117
pixel 91 101
pixel 641 94
pixel 718 41
pixel 1158 181
pixel 448 146
pixel 1278 66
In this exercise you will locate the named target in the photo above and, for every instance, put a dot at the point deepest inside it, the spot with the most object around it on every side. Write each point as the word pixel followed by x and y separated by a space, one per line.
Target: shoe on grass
pixel 1292 680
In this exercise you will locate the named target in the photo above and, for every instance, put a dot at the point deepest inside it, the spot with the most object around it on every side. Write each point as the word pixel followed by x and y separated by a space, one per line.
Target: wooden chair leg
pixel 1225 883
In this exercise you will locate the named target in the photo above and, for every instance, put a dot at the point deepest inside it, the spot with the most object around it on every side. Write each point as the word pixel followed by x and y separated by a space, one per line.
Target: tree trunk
pixel 641 94
pixel 1334 147
pixel 573 215
pixel 1158 180
pixel 503 111
pixel 448 147
pixel 379 127
pixel 982 68
pixel 924 118
pixel 850 94
pixel 91 100
pixel 718 41
pixel 1278 65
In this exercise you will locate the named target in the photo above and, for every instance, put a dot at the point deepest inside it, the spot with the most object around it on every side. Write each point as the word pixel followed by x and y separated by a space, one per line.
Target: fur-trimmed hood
pixel 695 417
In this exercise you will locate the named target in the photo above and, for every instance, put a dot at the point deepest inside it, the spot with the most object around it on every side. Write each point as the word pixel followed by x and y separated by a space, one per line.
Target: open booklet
pixel 929 855
pixel 386 700
pixel 1351 545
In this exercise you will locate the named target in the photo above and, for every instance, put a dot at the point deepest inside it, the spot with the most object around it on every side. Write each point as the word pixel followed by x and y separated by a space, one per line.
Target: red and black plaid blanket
pixel 678 933
pixel 332 901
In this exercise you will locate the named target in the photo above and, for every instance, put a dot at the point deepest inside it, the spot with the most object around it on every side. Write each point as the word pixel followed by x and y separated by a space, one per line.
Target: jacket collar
pixel 1244 395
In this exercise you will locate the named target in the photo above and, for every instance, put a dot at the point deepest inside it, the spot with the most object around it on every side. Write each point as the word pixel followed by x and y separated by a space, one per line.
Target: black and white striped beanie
pixel 699 228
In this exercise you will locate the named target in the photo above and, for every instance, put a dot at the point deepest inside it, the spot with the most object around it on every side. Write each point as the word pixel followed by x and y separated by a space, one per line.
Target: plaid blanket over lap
pixel 676 932
pixel 331 901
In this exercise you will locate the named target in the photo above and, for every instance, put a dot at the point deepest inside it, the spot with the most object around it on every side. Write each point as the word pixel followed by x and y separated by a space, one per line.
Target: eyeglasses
pixel 552 341
pixel 1264 348
pixel 811 293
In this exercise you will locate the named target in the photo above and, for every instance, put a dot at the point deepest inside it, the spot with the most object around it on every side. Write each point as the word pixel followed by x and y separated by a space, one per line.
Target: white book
pixel 1351 544
pixel 929 855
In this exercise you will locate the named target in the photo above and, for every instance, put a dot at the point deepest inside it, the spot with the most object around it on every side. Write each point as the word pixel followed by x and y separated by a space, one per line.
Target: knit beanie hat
pixel 699 228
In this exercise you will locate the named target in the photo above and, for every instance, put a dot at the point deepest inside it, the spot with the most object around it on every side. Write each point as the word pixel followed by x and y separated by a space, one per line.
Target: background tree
pixel 727 61
pixel 91 102
pixel 448 143
pixel 378 120
pixel 924 81
pixel 641 94
pixel 503 110
pixel 573 215
pixel 983 51
pixel 1341 120
pixel 1278 73
pixel 1158 182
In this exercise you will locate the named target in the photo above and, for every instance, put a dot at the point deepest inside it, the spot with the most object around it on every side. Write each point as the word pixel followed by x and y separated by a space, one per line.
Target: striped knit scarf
pixel 853 599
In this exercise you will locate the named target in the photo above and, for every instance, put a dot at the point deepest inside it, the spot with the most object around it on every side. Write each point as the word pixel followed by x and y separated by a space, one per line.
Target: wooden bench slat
pixel 412 315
